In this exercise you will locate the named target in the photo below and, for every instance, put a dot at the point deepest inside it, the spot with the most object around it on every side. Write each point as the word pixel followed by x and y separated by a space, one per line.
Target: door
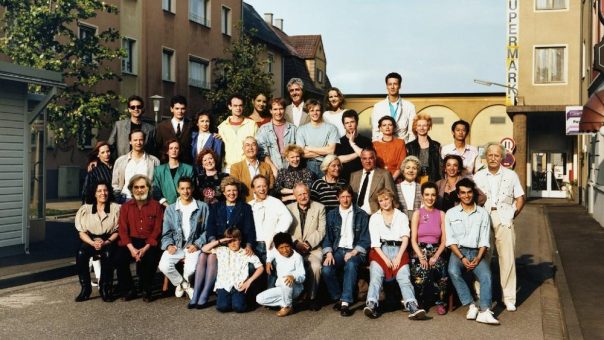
pixel 549 171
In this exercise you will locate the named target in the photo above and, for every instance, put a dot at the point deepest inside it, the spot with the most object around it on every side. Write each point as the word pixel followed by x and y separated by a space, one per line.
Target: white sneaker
pixel 510 307
pixel 179 291
pixel 472 312
pixel 186 286
pixel 487 317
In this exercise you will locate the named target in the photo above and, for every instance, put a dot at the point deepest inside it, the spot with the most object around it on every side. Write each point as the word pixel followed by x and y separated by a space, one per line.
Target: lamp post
pixel 491 83
pixel 156 104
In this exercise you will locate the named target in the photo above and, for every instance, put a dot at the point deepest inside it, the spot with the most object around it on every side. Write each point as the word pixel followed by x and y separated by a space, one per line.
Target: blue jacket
pixel 242 218
pixel 269 146
pixel 212 143
pixel 360 226
pixel 172 227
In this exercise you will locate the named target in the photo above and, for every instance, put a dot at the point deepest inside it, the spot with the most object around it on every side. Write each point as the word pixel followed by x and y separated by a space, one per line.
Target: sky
pixel 438 46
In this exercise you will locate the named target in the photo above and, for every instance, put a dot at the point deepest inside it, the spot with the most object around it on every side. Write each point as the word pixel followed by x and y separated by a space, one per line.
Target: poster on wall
pixel 573 118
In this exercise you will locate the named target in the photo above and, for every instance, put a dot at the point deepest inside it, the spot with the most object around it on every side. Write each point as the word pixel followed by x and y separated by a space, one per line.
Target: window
pixel 550 65
pixel 167 65
pixel 320 76
pixel 550 4
pixel 86 33
pixel 167 5
pixel 199 11
pixel 226 20
pixel 198 73
pixel 128 60
pixel 269 62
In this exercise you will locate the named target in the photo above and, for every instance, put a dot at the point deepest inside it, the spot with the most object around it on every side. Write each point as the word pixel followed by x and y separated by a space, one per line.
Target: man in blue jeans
pixel 467 227
pixel 345 247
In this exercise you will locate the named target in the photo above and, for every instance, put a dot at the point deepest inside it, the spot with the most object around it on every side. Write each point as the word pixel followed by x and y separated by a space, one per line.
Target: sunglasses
pixel 135 107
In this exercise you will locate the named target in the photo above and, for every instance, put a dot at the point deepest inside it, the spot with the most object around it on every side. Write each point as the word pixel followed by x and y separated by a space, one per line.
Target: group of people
pixel 270 206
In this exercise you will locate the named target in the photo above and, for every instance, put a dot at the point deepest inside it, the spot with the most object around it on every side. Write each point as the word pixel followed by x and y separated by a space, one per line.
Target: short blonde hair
pixel 389 193
pixel 230 180
pixel 293 148
pixel 421 116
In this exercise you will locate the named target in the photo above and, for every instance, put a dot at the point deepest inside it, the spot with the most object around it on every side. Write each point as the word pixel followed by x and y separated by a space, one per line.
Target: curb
pixel 572 328
pixel 54 272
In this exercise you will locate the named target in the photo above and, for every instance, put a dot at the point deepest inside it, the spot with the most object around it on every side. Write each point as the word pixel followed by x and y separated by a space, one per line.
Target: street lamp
pixel 491 83
pixel 156 103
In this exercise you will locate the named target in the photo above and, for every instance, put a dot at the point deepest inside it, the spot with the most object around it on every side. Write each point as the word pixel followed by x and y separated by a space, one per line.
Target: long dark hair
pixel 92 197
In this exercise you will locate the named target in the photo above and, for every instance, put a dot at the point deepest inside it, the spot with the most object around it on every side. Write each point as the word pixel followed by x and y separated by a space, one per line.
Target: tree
pixel 243 73
pixel 43 34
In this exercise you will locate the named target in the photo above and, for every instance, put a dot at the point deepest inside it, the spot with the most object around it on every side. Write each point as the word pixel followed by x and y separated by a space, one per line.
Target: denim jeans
pixel 482 273
pixel 232 300
pixel 376 278
pixel 351 268
pixel 315 167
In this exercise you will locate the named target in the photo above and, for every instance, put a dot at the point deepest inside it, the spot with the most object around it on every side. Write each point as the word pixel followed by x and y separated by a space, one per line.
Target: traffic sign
pixel 509 160
pixel 508 143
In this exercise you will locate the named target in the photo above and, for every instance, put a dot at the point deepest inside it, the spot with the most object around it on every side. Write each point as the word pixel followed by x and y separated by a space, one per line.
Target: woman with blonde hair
pixel 425 149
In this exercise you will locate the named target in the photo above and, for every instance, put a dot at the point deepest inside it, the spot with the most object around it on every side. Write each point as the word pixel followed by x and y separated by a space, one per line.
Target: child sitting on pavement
pixel 290 275
pixel 232 281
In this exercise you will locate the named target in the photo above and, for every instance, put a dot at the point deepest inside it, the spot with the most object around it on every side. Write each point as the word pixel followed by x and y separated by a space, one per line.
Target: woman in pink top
pixel 428 263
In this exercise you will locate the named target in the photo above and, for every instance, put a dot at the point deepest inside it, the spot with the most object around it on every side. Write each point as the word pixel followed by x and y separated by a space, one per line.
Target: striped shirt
pixel 100 173
pixel 326 193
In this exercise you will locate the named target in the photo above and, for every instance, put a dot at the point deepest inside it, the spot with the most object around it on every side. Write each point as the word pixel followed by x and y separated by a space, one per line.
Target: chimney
pixel 279 23
pixel 268 18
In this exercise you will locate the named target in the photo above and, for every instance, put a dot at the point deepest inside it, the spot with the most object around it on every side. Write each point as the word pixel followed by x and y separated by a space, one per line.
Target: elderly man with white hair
pixel 295 112
pixel 505 199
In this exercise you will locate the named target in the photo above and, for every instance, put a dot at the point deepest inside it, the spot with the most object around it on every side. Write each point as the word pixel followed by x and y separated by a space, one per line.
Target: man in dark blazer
pixel 119 138
pixel 178 127
pixel 368 181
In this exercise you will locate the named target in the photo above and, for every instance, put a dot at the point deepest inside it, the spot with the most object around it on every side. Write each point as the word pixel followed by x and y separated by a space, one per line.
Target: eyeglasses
pixel 135 107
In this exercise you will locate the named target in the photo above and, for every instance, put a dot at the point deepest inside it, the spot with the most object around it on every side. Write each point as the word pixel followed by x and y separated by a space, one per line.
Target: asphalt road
pixel 46 310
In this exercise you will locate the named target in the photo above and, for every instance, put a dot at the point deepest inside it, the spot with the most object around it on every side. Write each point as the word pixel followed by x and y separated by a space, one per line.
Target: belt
pixel 493 209
pixel 391 243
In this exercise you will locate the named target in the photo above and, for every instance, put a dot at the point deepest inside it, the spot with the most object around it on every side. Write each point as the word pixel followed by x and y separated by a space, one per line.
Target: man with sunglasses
pixel 119 138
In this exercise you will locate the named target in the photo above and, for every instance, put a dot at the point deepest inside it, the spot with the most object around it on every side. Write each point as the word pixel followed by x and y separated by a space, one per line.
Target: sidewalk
pixel 579 243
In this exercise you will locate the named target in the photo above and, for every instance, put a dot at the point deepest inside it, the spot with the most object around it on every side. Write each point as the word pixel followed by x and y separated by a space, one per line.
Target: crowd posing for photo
pixel 290 206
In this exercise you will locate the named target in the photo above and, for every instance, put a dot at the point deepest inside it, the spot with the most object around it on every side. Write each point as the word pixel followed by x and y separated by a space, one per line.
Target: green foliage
pixel 243 73
pixel 44 34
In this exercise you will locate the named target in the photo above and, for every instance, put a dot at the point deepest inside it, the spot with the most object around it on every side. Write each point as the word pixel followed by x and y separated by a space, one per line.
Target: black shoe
pixel 345 311
pixel 84 293
pixel 370 311
pixel 148 297
pixel 313 305
pixel 129 296
pixel 192 305
pixel 337 306
pixel 202 305
pixel 106 293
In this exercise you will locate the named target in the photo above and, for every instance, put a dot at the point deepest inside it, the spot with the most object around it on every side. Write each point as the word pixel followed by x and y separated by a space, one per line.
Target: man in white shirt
pixel 467 152
pixel 505 200
pixel 135 162
pixel 345 247
pixel 271 216
pixel 183 235
pixel 294 112
pixel 396 107
pixel 178 127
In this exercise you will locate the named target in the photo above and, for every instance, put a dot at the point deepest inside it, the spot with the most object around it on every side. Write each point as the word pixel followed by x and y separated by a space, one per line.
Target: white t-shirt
pixel 187 211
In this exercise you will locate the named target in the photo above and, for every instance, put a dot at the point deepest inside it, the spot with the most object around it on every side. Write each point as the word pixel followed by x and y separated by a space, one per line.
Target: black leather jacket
pixel 435 167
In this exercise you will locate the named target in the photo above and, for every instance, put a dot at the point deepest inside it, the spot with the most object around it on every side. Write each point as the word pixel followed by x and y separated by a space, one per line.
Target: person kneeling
pixel 290 275
pixel 389 233
pixel 232 281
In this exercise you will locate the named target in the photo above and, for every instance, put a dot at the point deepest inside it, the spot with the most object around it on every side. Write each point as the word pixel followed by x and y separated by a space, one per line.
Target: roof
pixel 30 75
pixel 285 39
pixel 264 33
pixel 306 45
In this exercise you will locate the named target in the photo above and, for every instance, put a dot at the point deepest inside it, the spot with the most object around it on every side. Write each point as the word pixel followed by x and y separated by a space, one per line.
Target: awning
pixel 592 118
